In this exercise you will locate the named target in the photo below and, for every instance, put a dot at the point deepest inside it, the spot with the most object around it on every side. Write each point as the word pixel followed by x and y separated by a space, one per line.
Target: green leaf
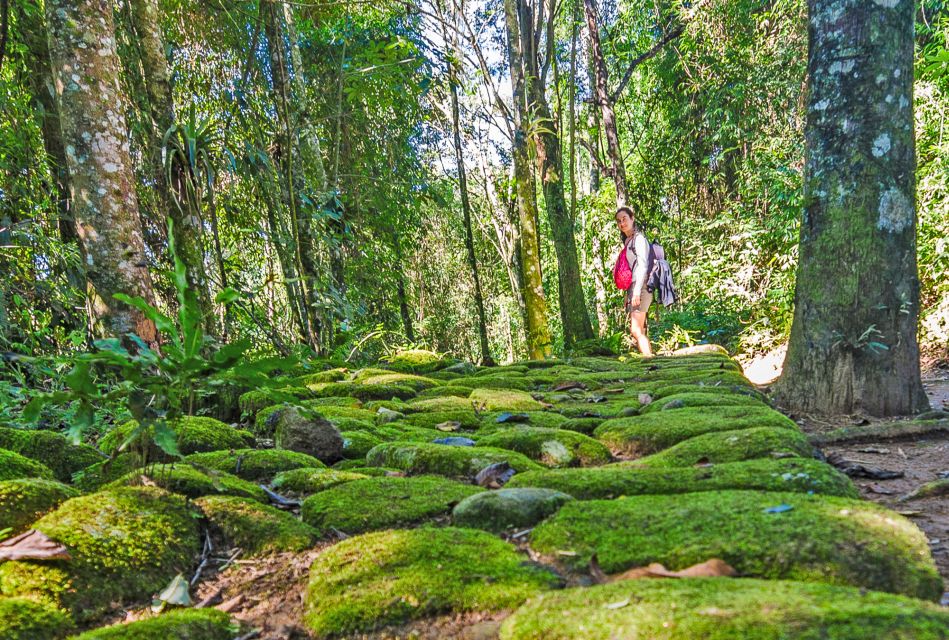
pixel 162 322
pixel 166 438
pixel 32 410
pixel 80 380
pixel 227 296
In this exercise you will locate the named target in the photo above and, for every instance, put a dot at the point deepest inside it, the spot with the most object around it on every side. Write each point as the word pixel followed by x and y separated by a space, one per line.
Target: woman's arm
pixel 641 248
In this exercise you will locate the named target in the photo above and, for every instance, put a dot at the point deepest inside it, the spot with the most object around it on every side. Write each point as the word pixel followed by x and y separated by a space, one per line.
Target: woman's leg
pixel 637 326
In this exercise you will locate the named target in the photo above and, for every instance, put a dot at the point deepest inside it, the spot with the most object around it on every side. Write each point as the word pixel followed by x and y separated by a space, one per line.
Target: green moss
pixel 334 412
pixel 190 482
pixel 507 509
pixel 194 434
pixel 366 391
pixel 545 419
pixel 256 465
pixel 24 619
pixel 253 401
pixel 101 473
pixel 505 400
pixel 612 406
pixel 467 417
pixel 551 447
pixel 666 390
pixel 451 389
pixel 581 425
pixel 701 400
pixel 126 544
pixel 382 503
pixel 13 466
pixel 724 609
pixel 445 403
pixel 416 361
pixel 412 381
pixel 24 501
pixel 356 444
pixel 452 462
pixel 307 481
pixel 180 624
pixel 818 539
pixel 645 434
pixel 507 369
pixel 332 375
pixel 732 446
pixel 613 481
pixel 256 528
pixel 393 577
pixel 51 449
pixel 373 472
pixel 512 382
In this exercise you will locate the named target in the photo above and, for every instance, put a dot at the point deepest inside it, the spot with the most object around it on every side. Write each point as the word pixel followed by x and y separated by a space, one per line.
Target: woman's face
pixel 624 222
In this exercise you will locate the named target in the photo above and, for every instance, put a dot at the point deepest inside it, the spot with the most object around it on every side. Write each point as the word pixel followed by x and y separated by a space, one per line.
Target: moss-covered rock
pixel 412 381
pixel 320 377
pixel 443 403
pixel 24 619
pixel 416 361
pixel 126 544
pixel 307 432
pixel 505 400
pixel 254 401
pixel 612 481
pixel 701 400
pixel 372 472
pixel 357 443
pixel 666 390
pixel 13 466
pixel 24 501
pixel 581 425
pixel 256 528
pixel 366 391
pixel 761 534
pixel 382 503
pixel 446 390
pixel 724 609
pixel 308 481
pixel 53 450
pixel 188 481
pixel 179 624
pixel 551 447
pixel 501 382
pixel 732 446
pixel 194 434
pixel 505 509
pixel 392 577
pixel 256 465
pixel 95 477
pixel 453 462
pixel 467 418
pixel 644 434
pixel 543 419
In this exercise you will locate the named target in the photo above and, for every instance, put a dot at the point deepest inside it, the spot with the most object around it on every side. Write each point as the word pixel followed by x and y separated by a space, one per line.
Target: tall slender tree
pixel 102 185
pixel 853 342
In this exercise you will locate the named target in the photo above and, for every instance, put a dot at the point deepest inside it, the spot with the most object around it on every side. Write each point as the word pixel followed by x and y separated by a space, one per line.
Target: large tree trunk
pixel 602 98
pixel 538 332
pixel 188 227
pixel 105 207
pixel 853 342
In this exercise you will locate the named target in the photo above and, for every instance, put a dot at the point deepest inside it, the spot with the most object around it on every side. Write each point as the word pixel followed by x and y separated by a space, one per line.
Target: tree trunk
pixel 538 332
pixel 102 185
pixel 602 99
pixel 853 342
pixel 188 227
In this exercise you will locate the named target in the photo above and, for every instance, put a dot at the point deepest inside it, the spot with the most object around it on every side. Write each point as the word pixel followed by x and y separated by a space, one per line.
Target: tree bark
pixel 102 185
pixel 602 99
pixel 538 332
pixel 853 342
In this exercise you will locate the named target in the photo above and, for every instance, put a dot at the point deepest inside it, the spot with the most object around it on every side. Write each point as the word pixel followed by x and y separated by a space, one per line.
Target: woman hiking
pixel 638 298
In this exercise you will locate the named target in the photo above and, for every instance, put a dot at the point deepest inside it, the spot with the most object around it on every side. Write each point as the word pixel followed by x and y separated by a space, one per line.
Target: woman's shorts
pixel 645 299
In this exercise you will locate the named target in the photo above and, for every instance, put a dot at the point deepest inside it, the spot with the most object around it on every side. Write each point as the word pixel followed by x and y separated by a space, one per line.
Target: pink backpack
pixel 622 272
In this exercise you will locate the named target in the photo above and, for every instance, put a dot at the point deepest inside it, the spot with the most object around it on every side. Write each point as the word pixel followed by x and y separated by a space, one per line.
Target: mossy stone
pixel 126 544
pixel 429 420
pixel 24 501
pixel 543 419
pixel 612 481
pixel 366 391
pixel 506 509
pixel 184 479
pixel 443 403
pixel 581 425
pixel 178 624
pixel 331 375
pixel 194 434
pixel 446 390
pixel 550 447
pixel 334 412
pixel 256 465
pixel 356 444
pixel 25 619
pixel 666 390
pixel 53 450
pixel 13 466
pixel 775 535
pixel 256 528
pixel 416 361
pixel 372 472
pixel 308 481
pixel 252 402
pixel 724 609
pixel 96 476
pixel 505 400
pixel 644 434
pixel 499 382
pixel 382 503
pixel 701 400
pixel 453 462
pixel 392 577
pixel 419 383
pixel 732 446
pixel 307 432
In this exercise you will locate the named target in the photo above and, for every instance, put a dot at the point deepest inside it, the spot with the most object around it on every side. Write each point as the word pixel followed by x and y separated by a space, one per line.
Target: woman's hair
pixel 632 216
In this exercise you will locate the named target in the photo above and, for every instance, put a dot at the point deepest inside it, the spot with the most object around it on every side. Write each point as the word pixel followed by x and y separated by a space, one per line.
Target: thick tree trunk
pixel 538 332
pixel 102 185
pixel 602 98
pixel 853 343
pixel 188 227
